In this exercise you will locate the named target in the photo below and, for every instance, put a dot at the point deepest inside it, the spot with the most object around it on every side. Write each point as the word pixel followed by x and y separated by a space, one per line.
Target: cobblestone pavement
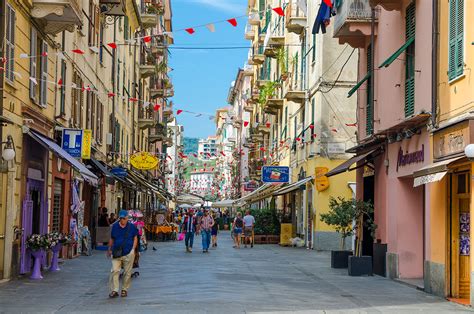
pixel 266 278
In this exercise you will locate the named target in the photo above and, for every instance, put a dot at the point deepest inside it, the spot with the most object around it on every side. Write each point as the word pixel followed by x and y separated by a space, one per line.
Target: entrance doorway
pixel 459 235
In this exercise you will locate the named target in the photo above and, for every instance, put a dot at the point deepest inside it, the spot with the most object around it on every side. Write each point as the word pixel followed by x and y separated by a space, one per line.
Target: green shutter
pixel 369 110
pixel 456 38
pixel 410 61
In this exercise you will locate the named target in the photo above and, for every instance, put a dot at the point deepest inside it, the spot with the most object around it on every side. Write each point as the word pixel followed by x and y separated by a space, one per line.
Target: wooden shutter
pixel 62 108
pixel 410 27
pixel 369 110
pixel 33 66
pixel 456 38
pixel 10 44
pixel 44 75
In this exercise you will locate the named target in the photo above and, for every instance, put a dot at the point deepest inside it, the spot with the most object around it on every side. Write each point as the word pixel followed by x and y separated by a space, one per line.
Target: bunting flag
pixel 298 139
pixel 61 56
pixel 268 124
pixel 179 112
pixel 44 54
pixel 133 99
pixel 147 39
pixel 112 45
pixel 24 56
pixel 280 11
pixel 190 30
pixel 246 123
pixel 60 82
pixel 351 124
pixel 78 51
pixel 232 22
pixel 156 107
pixel 311 126
pixel 110 94
pixel 211 27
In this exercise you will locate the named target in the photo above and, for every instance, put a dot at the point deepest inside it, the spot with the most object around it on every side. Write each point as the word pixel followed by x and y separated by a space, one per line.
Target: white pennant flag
pixel 94 49
pixel 18 75
pixel 73 85
pixel 23 56
pixel 211 28
pixel 33 79
pixel 61 56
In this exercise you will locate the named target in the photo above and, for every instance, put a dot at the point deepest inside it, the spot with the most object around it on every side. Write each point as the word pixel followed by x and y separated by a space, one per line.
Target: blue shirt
pixel 118 234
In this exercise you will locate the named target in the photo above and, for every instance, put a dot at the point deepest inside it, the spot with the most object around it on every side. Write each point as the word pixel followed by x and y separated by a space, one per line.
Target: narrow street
pixel 263 279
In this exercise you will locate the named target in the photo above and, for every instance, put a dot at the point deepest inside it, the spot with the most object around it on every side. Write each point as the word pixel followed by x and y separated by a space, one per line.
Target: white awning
pixel 292 187
pixel 223 204
pixel 429 178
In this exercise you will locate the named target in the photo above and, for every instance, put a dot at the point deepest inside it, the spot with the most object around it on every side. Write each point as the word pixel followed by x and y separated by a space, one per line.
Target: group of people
pixel 204 224
pixel 106 219
pixel 243 226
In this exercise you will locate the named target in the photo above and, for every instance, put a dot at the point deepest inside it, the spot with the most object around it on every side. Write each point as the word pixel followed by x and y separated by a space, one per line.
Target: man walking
pixel 206 225
pixel 122 244
pixel 249 223
pixel 189 228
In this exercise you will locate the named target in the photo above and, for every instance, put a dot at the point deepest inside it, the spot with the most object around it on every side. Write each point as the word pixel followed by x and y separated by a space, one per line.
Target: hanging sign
pixel 72 142
pixel 275 174
pixel 144 161
pixel 86 144
pixel 322 182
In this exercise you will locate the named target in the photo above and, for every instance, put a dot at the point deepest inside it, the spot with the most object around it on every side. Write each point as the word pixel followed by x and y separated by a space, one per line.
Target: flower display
pixel 38 242
pixel 56 238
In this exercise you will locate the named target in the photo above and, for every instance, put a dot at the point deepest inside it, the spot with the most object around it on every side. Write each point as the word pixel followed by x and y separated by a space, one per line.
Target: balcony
pixel 168 141
pixel 147 70
pixel 167 112
pixel 295 18
pixel 389 5
pixel 248 108
pixel 254 19
pixel 277 36
pixel 158 133
pixel 274 104
pixel 257 55
pixel 249 32
pixel 297 96
pixel 248 70
pixel 145 120
pixel 352 24
pixel 149 20
pixel 262 128
pixel 56 16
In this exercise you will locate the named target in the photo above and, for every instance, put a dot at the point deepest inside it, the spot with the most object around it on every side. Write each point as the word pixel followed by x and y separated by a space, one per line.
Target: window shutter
pixel 410 61
pixel 44 75
pixel 10 44
pixel 62 108
pixel 33 73
pixel 460 37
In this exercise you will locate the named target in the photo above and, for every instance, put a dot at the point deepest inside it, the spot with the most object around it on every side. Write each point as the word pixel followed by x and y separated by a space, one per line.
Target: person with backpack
pixel 237 227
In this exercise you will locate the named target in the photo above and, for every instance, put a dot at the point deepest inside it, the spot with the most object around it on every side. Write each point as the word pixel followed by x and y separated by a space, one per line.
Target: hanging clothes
pixel 323 18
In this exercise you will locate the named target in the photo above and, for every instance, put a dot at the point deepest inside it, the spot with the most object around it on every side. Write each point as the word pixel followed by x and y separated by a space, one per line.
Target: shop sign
pixel 72 142
pixel 250 186
pixel 336 148
pixel 86 144
pixel 275 174
pixel 452 140
pixel 405 159
pixel 144 161
pixel 322 182
pixel 119 172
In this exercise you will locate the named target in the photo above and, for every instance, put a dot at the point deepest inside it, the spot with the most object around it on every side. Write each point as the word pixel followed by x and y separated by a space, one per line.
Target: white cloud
pixel 231 6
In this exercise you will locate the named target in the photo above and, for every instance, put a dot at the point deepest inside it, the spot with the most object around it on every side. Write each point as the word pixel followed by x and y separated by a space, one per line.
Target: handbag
pixel 118 252
pixel 181 237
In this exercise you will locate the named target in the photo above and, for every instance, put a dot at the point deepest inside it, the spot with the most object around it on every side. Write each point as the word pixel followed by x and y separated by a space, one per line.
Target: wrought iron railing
pixel 352 10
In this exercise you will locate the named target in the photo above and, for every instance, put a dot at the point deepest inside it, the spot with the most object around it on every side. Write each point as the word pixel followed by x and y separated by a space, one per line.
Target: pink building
pixel 394 112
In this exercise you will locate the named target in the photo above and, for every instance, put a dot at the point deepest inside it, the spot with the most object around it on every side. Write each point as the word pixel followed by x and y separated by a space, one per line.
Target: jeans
pixel 125 262
pixel 206 239
pixel 189 239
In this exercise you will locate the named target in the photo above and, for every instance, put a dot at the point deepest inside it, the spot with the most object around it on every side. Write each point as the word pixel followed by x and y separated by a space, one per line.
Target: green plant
pixel 363 216
pixel 266 221
pixel 340 216
pixel 282 59
pixel 162 67
pixel 268 90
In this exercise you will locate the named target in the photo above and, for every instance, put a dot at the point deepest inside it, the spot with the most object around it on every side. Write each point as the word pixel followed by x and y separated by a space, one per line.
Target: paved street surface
pixel 262 279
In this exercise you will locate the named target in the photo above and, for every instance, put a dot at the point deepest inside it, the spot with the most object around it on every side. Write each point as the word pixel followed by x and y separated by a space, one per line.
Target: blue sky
pixel 202 77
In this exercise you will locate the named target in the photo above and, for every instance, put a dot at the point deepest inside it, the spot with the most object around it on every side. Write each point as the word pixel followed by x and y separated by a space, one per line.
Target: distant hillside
pixel 190 145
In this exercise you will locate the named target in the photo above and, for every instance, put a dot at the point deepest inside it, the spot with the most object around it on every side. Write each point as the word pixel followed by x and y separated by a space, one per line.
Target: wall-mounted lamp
pixel 8 153
pixel 469 151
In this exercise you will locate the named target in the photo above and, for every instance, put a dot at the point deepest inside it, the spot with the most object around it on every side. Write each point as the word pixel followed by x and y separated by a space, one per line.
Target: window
pixel 91 112
pixel 313 53
pixel 410 62
pixel 77 101
pixel 93 19
pixel 286 122
pixel 99 122
pixel 369 109
pixel 312 120
pixel 10 44
pixel 303 64
pixel 62 100
pixel 39 76
pixel 456 38
pixel 57 205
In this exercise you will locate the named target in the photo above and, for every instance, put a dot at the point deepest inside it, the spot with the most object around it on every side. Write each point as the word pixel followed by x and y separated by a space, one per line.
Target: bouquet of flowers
pixel 56 238
pixel 38 242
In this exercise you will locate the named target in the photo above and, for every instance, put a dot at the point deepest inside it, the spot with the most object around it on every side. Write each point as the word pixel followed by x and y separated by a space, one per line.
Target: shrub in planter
pixel 266 221
pixel 340 216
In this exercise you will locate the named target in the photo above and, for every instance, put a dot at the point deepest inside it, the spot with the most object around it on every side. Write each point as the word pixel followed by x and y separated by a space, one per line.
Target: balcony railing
pixel 352 10
pixel 249 32
pixel 58 15
pixel 296 20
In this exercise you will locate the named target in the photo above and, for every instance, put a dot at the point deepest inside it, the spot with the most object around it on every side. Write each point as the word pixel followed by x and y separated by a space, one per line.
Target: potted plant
pixel 267 91
pixel 340 216
pixel 361 265
pixel 282 59
pixel 56 242
pixel 37 244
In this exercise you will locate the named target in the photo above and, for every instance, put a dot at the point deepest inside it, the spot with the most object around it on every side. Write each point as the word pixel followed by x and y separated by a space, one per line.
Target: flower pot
pixel 340 259
pixel 54 260
pixel 360 266
pixel 36 272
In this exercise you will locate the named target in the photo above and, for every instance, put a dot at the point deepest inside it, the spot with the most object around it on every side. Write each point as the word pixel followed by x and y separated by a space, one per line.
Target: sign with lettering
pixel 86 144
pixel 275 174
pixel 322 182
pixel 144 161
pixel 250 186
pixel 72 142
pixel 452 140
pixel 407 158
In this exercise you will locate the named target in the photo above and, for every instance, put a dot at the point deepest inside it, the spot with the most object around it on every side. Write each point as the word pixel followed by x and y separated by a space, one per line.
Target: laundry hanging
pixel 323 18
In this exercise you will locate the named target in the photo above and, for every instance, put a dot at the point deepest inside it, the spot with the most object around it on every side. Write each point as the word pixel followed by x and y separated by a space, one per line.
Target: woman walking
pixel 237 227
pixel 214 230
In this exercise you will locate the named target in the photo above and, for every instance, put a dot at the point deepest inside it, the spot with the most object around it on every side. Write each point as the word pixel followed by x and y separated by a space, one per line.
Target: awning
pixel 397 53
pixel 61 153
pixel 145 184
pixel 358 85
pixel 223 204
pixel 262 192
pixel 434 172
pixel 292 187
pixel 109 177
pixel 346 166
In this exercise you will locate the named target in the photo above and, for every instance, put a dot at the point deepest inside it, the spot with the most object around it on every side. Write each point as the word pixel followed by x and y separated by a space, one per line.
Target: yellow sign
pixel 286 233
pixel 144 161
pixel 322 182
pixel 86 144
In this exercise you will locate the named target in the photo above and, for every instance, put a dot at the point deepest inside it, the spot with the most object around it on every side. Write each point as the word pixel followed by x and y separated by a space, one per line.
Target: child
pixel 214 230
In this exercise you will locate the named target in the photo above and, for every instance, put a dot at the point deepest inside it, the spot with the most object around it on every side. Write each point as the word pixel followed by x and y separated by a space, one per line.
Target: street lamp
pixel 8 153
pixel 469 151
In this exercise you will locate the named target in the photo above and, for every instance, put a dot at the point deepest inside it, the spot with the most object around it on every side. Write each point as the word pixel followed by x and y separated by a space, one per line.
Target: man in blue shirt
pixel 122 244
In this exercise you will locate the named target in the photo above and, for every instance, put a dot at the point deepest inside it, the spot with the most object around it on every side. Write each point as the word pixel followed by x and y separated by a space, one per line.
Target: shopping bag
pixel 181 237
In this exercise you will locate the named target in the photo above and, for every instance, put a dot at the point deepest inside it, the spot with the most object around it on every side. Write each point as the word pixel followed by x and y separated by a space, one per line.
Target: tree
pixel 341 215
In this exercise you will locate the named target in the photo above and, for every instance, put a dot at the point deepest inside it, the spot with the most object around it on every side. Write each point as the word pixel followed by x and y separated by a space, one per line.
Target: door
pixel 460 238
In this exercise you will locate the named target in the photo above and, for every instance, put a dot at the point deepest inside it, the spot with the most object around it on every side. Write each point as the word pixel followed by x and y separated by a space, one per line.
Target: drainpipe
pixel 372 68
pixel 114 63
pixel 434 64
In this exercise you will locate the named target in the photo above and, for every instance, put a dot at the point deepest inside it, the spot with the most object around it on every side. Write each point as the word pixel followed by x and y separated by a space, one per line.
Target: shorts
pixel 248 231
pixel 237 230
pixel 213 232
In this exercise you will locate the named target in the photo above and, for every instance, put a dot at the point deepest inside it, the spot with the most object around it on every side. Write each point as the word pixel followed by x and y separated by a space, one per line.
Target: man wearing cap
pixel 122 244
pixel 206 224
pixel 189 228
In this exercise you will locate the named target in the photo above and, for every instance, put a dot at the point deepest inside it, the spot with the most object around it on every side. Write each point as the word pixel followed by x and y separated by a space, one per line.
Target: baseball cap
pixel 123 213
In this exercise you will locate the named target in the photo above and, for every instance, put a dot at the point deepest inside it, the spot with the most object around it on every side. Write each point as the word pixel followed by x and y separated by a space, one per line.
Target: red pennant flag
pixel 314 135
pixel 268 124
pixel 311 126
pixel 298 139
pixel 133 99
pixel 112 45
pixel 147 39
pixel 78 51
pixel 232 22
pixel 246 123
pixel 44 54
pixel 111 95
pixel 190 31
pixel 179 112
pixel 60 82
pixel 334 130
pixel 351 124
pixel 222 153
pixel 280 11
pixel 262 149
pixel 156 107
pixel 195 155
